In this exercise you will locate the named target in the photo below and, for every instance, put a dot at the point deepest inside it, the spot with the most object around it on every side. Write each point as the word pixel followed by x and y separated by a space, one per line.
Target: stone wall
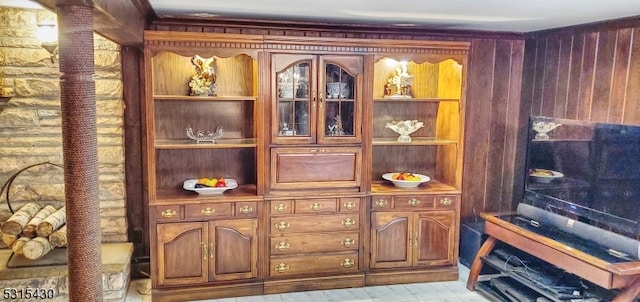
pixel 30 124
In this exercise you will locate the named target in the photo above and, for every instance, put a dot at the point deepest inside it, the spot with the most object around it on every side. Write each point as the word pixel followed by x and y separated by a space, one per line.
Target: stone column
pixel 80 148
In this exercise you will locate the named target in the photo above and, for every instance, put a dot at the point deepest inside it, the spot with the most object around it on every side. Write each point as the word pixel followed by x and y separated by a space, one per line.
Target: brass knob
pixel 348 242
pixel 282 225
pixel 348 222
pixel 382 202
pixel 207 211
pixel 446 201
pixel 350 205
pixel 246 209
pixel 168 213
pixel 315 206
pixel 281 268
pixel 281 246
pixel 281 207
pixel 414 202
pixel 347 263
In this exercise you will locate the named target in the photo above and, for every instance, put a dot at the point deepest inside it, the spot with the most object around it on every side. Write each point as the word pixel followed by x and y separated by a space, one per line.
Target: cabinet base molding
pixel 206 292
pixel 412 276
pixel 305 284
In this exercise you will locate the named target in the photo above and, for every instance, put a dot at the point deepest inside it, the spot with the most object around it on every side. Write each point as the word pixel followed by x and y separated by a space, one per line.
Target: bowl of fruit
pixel 544 175
pixel 210 185
pixel 406 179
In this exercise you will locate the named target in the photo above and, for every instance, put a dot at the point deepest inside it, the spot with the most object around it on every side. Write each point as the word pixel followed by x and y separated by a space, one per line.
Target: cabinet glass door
pixel 293 100
pixel 339 106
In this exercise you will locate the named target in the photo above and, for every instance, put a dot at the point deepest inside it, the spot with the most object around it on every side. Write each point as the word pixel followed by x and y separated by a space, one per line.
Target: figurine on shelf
pixel 203 83
pixel 399 85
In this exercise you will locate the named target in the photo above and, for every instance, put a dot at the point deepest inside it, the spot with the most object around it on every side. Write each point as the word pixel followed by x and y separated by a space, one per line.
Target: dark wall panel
pixel 590 75
pixel 494 120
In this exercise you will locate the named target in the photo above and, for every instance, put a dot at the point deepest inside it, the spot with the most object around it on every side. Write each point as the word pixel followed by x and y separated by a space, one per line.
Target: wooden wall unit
pixel 309 163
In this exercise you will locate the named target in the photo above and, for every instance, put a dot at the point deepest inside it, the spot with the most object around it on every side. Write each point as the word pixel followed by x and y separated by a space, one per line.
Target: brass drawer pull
pixel 350 205
pixel 382 203
pixel 348 222
pixel 414 202
pixel 281 246
pixel 207 211
pixel 446 201
pixel 281 268
pixel 316 206
pixel 282 225
pixel 168 213
pixel 347 263
pixel 348 242
pixel 246 209
pixel 281 207
pixel 211 250
pixel 204 251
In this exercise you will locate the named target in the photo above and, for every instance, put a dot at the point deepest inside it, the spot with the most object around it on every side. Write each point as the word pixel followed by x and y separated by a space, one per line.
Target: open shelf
pixel 220 143
pixel 415 141
pixel 202 98
pixel 179 195
pixel 433 186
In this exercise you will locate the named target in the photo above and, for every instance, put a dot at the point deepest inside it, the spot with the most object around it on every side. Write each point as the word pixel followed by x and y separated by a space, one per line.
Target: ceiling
pixel 486 15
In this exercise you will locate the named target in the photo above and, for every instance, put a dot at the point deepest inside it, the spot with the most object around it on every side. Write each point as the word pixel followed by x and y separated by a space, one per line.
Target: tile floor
pixel 453 291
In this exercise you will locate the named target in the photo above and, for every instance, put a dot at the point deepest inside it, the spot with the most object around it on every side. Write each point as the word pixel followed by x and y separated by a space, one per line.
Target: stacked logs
pixel 33 231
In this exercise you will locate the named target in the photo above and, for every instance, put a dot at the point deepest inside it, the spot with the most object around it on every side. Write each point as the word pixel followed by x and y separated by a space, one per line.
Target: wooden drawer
pixel 381 203
pixel 349 204
pixel 315 206
pixel 281 207
pixel 298 168
pixel 447 201
pixel 246 209
pixel 314 223
pixel 334 263
pixel 314 243
pixel 413 202
pixel 204 211
pixel 169 213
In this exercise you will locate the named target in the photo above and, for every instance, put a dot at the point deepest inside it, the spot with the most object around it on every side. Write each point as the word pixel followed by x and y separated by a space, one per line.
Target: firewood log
pixel 31 227
pixel 36 248
pixel 59 237
pixel 18 245
pixel 52 223
pixel 19 219
pixel 9 239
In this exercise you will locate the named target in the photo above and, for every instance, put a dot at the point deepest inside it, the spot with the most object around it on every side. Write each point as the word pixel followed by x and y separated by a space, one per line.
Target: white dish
pixel 544 175
pixel 406 183
pixel 190 185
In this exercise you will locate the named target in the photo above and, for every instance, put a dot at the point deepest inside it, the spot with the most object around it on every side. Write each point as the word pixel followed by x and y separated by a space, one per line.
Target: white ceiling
pixel 486 15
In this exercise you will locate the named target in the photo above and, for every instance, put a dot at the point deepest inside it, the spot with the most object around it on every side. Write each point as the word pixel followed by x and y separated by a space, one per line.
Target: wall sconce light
pixel 48 36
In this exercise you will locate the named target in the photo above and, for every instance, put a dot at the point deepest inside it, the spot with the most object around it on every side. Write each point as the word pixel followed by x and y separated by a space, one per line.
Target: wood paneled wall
pixel 494 123
pixel 591 75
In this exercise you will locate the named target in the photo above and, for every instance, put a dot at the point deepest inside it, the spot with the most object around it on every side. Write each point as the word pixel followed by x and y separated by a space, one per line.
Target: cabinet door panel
pixel 436 235
pixel 181 253
pixel 294 168
pixel 390 240
pixel 233 249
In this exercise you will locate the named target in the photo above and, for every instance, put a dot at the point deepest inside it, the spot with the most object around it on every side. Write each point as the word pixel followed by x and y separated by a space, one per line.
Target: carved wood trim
pixel 186 43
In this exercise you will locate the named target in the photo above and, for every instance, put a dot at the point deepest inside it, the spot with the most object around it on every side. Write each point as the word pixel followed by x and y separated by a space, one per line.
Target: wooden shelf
pixel 203 98
pixel 179 195
pixel 220 144
pixel 378 99
pixel 431 187
pixel 415 141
